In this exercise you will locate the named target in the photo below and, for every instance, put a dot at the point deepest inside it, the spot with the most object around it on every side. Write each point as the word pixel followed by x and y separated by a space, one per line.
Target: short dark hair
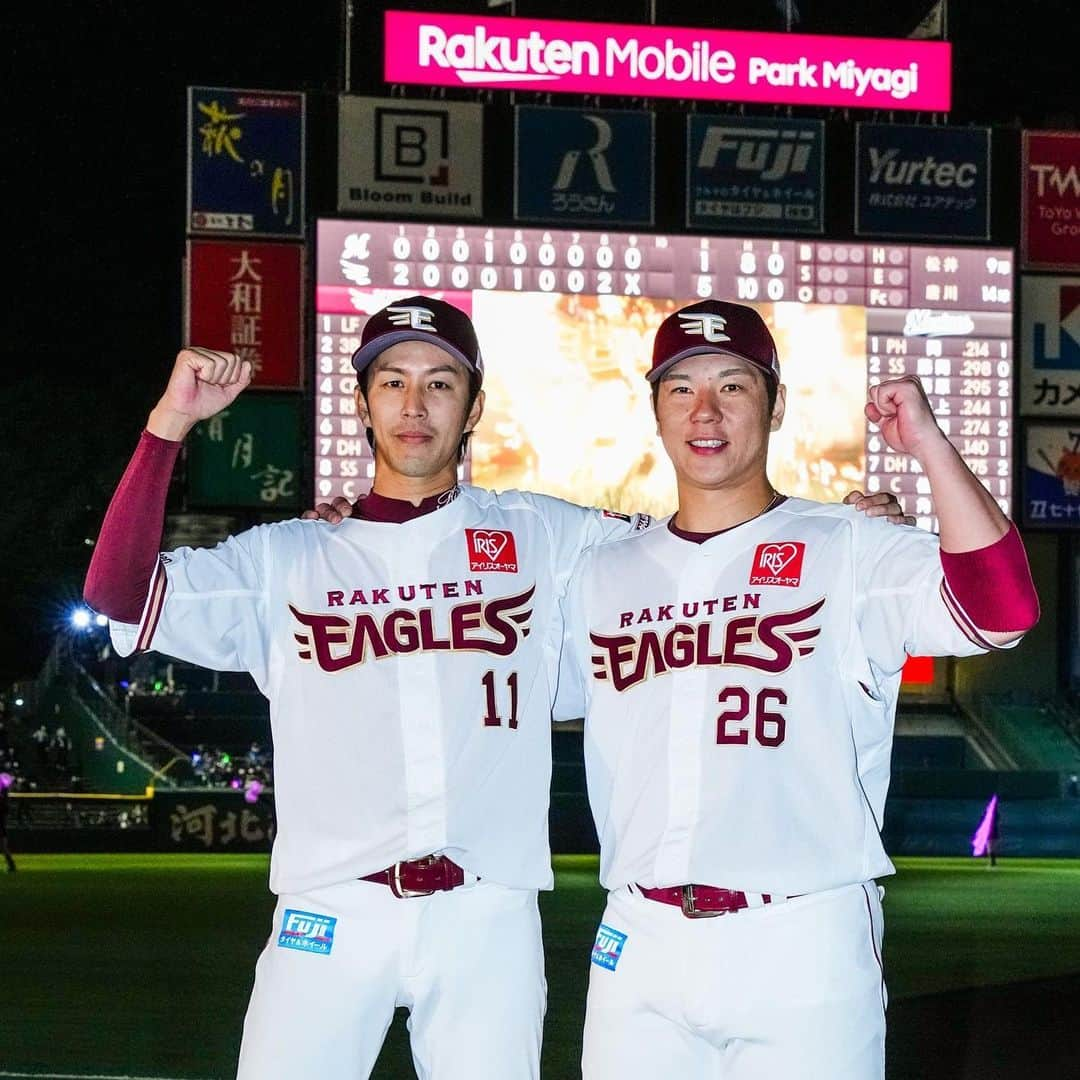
pixel 475 380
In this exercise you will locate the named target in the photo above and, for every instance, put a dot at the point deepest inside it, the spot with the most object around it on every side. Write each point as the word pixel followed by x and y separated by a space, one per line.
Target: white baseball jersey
pixel 739 694
pixel 410 670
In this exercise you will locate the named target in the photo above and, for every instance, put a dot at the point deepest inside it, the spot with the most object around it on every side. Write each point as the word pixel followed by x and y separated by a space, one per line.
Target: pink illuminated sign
pixel 662 61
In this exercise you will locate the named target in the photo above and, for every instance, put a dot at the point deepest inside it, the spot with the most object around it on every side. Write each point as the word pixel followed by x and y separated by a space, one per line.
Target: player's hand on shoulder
pixel 880 504
pixel 202 383
pixel 902 411
pixel 335 512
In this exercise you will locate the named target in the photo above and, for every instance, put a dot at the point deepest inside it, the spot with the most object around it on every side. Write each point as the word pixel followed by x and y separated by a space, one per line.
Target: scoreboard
pixel 944 314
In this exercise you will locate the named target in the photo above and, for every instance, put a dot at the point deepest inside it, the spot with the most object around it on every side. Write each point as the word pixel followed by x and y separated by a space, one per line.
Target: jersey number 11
pixel 491 712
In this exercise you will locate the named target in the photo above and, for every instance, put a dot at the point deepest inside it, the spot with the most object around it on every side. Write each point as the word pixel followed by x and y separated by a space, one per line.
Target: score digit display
pixel 565 320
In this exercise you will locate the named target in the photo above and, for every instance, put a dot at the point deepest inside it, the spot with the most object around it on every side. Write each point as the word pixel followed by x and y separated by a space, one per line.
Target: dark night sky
pixel 95 183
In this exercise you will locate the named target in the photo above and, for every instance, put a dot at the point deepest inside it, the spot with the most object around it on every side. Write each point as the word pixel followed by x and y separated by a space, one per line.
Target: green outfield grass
pixel 140 965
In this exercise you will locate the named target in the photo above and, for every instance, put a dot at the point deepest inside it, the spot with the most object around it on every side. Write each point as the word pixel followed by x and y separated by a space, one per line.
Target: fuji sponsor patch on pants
pixel 608 947
pixel 306 931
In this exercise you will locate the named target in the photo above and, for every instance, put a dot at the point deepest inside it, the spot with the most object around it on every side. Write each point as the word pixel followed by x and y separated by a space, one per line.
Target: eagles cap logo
pixel 420 318
pixel 714 326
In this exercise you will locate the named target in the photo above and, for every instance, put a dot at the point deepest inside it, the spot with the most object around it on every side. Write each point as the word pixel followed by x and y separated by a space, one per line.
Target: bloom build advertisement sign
pixel 433 49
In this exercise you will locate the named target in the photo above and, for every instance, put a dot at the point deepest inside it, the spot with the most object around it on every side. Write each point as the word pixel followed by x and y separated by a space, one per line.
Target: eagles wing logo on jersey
pixel 335 642
pixel 766 643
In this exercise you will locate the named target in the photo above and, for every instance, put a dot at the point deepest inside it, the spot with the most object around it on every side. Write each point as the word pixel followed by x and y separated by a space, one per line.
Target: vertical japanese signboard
pixel 248 455
pixel 1050 215
pixel 247 298
pixel 755 174
pixel 245 162
pixel 921 181
pixel 1050 346
pixel 584 166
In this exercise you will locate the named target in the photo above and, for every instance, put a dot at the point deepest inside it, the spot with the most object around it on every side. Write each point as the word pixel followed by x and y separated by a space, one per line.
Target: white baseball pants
pixel 468 964
pixel 792 990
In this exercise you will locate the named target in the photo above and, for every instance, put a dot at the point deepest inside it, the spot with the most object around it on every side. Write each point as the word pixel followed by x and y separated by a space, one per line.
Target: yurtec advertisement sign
pixel 549 55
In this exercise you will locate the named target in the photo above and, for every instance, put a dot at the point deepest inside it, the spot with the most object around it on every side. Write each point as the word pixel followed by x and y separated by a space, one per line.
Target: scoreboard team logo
pixel 491 550
pixel 778 563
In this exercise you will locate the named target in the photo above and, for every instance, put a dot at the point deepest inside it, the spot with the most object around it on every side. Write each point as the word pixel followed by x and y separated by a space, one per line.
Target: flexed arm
pixel 983 558
pixel 121 572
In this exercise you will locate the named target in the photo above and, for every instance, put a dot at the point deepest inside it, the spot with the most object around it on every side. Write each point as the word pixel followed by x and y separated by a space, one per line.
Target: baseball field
pixel 139 966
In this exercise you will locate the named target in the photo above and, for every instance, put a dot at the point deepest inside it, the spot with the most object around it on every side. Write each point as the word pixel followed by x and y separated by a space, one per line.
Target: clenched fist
pixel 900 408
pixel 202 383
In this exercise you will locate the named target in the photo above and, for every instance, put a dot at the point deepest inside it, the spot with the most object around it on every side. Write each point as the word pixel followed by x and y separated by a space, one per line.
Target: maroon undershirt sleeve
pixel 126 554
pixel 993 584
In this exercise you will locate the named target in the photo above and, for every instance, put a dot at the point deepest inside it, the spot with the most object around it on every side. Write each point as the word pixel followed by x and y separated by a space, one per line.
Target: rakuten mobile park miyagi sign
pixel 433 49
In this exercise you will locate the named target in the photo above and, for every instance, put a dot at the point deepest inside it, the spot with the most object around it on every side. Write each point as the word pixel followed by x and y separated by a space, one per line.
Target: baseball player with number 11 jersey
pixel 740 670
pixel 409 656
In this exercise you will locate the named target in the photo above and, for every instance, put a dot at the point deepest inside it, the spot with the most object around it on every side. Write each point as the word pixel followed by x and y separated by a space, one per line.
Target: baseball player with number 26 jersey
pixel 740 670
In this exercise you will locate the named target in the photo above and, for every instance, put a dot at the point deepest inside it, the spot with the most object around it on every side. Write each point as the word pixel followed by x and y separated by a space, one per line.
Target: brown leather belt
pixel 705 901
pixel 420 877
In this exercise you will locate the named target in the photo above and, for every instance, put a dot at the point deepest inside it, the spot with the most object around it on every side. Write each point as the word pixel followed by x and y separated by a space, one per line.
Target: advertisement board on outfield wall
pixel 557 56
pixel 750 173
pixel 1052 476
pixel 584 166
pixel 245 162
pixel 248 455
pixel 921 181
pixel 1050 211
pixel 246 297
pixel 1050 346
pixel 411 158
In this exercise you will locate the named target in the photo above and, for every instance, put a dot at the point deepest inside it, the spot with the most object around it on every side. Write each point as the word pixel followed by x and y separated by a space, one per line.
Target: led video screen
pixel 565 321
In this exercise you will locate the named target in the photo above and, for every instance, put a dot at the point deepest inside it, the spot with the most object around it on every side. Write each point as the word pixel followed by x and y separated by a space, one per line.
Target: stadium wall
pixel 224 822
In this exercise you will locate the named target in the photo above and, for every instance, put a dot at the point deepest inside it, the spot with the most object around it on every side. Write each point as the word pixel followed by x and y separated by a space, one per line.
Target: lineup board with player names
pixel 944 314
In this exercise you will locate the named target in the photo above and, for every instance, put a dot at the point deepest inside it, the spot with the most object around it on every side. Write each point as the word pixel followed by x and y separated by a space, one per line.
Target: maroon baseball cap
pixel 714 326
pixel 420 318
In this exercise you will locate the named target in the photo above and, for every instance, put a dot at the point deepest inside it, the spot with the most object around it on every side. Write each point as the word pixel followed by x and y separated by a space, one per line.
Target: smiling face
pixel 417 405
pixel 713 416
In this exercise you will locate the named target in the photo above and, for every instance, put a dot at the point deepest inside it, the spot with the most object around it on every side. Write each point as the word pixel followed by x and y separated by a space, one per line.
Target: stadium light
pixel 101 620
pixel 80 618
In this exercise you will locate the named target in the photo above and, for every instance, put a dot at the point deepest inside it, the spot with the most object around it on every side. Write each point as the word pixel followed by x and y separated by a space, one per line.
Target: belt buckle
pixel 398 889
pixel 689 908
